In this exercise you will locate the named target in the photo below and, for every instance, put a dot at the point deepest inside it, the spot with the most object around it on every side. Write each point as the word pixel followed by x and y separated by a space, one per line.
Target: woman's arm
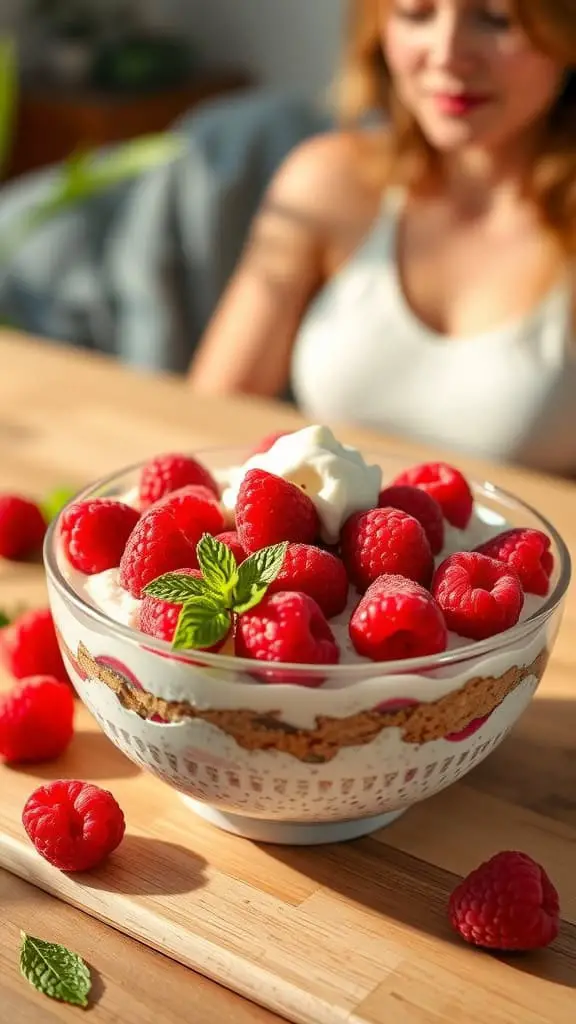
pixel 248 344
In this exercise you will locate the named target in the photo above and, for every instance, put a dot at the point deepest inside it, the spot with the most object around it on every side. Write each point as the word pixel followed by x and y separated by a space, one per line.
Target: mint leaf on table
pixel 55 501
pixel 202 623
pixel 55 971
pixel 256 574
pixel 4 619
pixel 218 565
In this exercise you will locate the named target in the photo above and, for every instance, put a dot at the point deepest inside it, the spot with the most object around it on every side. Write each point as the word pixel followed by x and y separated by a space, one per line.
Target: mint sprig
pixel 54 970
pixel 225 589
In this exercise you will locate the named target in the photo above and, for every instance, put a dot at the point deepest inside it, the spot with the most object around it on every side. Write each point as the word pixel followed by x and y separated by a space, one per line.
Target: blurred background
pixel 136 139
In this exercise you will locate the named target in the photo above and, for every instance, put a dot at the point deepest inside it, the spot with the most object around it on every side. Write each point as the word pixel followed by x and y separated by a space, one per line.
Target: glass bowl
pixel 286 763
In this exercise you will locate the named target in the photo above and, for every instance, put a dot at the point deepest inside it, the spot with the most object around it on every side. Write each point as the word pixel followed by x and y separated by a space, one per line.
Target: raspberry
pixel 73 825
pixel 287 627
pixel 396 619
pixel 479 596
pixel 94 533
pixel 270 510
pixel 385 541
pixel 167 473
pixel 22 527
pixel 231 539
pixel 447 486
pixel 29 647
pixel 528 553
pixel 421 506
pixel 155 546
pixel 314 572
pixel 266 443
pixel 197 511
pixel 508 903
pixel 36 720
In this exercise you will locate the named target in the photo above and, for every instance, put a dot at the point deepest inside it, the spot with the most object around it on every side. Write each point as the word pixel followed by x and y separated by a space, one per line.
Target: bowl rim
pixel 355 672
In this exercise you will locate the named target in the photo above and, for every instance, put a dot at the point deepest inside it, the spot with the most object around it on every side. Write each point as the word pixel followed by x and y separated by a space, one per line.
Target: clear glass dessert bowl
pixel 290 763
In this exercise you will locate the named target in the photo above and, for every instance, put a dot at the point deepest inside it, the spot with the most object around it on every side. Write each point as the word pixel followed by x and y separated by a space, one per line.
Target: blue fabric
pixel 138 271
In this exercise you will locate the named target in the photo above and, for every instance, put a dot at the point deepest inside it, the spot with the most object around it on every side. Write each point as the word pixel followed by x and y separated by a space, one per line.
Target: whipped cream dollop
pixel 335 476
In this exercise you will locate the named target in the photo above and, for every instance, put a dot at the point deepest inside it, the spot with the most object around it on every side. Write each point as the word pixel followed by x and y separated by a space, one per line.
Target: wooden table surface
pixel 66 418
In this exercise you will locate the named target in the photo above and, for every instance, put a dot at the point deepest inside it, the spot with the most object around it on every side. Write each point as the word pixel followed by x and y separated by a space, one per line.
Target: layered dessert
pixel 304 555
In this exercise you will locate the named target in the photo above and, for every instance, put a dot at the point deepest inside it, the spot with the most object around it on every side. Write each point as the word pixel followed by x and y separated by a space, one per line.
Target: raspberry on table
pixel 479 596
pixel 36 720
pixel 422 506
pixel 315 572
pixel 73 825
pixel 287 626
pixel 170 472
pixel 447 486
pixel 29 646
pixel 528 553
pixel 506 904
pixel 156 545
pixel 385 541
pixel 94 533
pixel 397 619
pixel 270 510
pixel 231 539
pixel 22 527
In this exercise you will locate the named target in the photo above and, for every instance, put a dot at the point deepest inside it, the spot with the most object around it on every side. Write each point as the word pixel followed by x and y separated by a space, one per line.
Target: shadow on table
pixel 91 755
pixel 402 888
pixel 142 866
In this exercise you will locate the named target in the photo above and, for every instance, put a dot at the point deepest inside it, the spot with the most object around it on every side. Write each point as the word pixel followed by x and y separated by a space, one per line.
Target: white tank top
pixel 363 356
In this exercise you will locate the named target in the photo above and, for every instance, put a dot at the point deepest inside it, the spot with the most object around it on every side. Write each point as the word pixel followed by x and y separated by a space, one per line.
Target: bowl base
pixel 291 833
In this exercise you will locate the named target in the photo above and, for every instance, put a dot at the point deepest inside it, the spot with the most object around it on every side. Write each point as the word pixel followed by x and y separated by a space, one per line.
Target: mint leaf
pixel 256 574
pixel 4 620
pixel 218 566
pixel 203 622
pixel 175 587
pixel 55 501
pixel 54 970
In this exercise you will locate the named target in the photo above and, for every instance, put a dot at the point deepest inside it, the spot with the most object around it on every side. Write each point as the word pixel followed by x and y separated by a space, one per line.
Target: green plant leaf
pixel 8 97
pixel 256 574
pixel 202 623
pixel 54 970
pixel 176 587
pixel 4 619
pixel 53 504
pixel 218 565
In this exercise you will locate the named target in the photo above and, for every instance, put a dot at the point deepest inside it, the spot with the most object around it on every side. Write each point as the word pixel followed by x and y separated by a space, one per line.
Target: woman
pixel 416 276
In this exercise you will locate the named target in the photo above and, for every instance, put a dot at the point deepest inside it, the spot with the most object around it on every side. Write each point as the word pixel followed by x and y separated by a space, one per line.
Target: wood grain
pixel 355 933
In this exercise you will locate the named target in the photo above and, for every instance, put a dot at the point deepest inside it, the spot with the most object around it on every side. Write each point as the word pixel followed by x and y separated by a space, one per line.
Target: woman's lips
pixel 458 104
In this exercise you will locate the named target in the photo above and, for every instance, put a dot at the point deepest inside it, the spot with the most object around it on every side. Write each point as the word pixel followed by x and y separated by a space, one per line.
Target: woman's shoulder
pixel 331 172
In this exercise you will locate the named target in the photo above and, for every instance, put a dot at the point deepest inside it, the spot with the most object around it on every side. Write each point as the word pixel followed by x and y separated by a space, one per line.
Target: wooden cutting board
pixel 355 933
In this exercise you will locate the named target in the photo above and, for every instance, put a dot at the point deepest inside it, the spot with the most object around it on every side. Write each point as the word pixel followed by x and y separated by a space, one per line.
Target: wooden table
pixel 66 417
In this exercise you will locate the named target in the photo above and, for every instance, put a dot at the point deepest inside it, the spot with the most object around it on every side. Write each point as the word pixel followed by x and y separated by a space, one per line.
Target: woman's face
pixel 466 70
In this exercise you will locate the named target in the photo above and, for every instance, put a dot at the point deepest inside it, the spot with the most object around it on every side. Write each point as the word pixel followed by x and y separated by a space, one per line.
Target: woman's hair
pixel 365 87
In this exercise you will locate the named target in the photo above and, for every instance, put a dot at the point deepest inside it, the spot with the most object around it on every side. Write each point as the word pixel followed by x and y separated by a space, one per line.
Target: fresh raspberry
pixel 22 527
pixel 447 486
pixel 421 506
pixel 508 903
pixel 29 647
pixel 266 443
pixel 314 572
pixel 396 619
pixel 231 539
pixel 385 541
pixel 528 553
pixel 94 533
pixel 270 510
pixel 287 626
pixel 197 511
pixel 155 546
pixel 479 596
pixel 36 720
pixel 73 825
pixel 167 473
